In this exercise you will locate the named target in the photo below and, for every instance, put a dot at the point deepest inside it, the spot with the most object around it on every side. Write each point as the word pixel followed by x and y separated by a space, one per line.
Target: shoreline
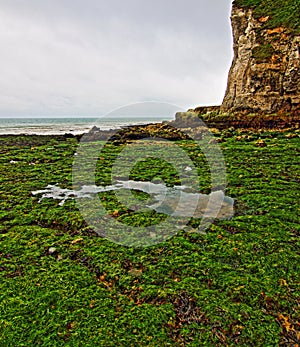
pixel 58 129
pixel 176 129
pixel 187 122
pixel 211 117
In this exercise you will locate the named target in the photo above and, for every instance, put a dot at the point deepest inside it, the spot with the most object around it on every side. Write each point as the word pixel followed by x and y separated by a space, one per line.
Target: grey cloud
pixel 87 57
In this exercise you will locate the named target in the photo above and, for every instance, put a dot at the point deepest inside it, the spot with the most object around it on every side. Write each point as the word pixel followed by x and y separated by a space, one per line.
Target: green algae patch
pixel 237 284
pixel 281 12
pixel 263 53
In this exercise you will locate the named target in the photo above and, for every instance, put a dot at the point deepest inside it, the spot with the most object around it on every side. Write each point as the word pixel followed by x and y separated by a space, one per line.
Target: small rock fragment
pixel 52 250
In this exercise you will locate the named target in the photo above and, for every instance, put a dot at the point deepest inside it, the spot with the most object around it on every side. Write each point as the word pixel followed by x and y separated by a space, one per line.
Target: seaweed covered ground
pixel 237 284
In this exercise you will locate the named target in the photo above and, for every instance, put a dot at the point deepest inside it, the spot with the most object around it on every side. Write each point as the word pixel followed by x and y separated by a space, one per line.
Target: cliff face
pixel 264 76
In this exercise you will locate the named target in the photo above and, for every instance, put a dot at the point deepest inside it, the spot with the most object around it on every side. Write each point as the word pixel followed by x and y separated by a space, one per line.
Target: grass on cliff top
pixel 236 285
pixel 281 12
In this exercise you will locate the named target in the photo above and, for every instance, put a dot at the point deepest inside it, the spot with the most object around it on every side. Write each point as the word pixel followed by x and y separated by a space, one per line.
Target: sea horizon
pixel 72 125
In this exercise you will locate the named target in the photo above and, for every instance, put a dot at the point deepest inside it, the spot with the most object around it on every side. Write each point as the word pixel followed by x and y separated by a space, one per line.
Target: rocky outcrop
pixel 136 132
pixel 264 76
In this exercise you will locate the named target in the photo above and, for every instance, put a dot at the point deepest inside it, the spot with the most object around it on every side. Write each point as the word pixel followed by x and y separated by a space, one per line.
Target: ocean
pixel 60 126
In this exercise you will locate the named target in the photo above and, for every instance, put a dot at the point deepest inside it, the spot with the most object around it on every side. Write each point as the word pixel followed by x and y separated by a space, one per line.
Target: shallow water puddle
pixel 175 201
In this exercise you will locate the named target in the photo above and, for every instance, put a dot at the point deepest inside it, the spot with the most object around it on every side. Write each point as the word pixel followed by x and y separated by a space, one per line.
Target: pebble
pixel 52 250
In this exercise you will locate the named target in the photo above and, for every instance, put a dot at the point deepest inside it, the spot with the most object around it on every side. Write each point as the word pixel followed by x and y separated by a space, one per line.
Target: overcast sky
pixel 86 57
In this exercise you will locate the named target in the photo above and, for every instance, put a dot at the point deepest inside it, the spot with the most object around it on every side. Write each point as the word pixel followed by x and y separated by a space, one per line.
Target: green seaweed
pixel 238 284
pixel 281 12
pixel 263 53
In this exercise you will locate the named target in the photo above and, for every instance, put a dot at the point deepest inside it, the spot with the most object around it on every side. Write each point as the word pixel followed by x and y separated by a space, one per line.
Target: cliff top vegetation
pixel 282 12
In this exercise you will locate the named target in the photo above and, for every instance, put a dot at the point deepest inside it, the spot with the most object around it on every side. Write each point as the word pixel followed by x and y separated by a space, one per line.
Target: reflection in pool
pixel 175 201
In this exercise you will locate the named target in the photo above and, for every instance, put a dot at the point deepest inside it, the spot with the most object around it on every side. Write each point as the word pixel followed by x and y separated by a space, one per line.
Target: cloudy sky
pixel 87 57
